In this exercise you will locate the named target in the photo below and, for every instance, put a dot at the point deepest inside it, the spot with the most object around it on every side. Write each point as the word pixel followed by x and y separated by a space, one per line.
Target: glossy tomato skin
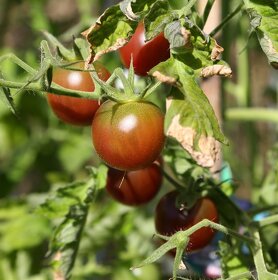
pixel 128 136
pixel 145 54
pixel 136 187
pixel 74 110
pixel 169 218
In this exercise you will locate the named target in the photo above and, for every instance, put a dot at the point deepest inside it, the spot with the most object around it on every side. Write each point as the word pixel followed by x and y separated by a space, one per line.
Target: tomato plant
pixel 38 159
pixel 73 110
pixel 135 187
pixel 145 54
pixel 172 216
pixel 128 136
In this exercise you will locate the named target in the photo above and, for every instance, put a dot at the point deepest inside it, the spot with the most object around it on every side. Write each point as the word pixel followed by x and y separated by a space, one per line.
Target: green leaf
pixel 24 232
pixel 60 202
pixel 76 193
pixel 157 18
pixel 66 240
pixel 110 32
pixel 233 261
pixel 74 200
pixel 159 252
pixel 116 25
pixel 263 16
pixel 196 49
pixel 190 114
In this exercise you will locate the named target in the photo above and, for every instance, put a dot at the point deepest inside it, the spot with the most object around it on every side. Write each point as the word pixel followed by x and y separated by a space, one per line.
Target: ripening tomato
pixel 74 110
pixel 134 187
pixel 128 136
pixel 170 218
pixel 145 54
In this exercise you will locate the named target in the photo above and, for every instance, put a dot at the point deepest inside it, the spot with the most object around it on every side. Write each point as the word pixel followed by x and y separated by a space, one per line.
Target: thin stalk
pixel 252 114
pixel 269 220
pixel 128 87
pixel 247 274
pixel 54 88
pixel 19 62
pixel 149 90
pixel 171 180
pixel 226 20
pixel 262 272
pixel 218 227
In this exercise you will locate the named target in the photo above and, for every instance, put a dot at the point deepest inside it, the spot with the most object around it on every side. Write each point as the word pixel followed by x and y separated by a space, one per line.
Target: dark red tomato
pixel 74 110
pixel 170 218
pixel 145 54
pixel 134 187
pixel 128 136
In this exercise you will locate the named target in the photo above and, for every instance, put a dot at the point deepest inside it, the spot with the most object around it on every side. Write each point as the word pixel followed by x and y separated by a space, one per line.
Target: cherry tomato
pixel 74 110
pixel 128 136
pixel 145 54
pixel 134 187
pixel 170 218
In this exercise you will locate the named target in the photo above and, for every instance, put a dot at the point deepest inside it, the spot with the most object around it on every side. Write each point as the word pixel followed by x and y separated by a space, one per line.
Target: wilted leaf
pixel 264 20
pixel 218 69
pixel 164 78
pixel 110 32
pixel 178 35
pixel 190 118
pixel 208 148
pixel 216 51
pixel 115 26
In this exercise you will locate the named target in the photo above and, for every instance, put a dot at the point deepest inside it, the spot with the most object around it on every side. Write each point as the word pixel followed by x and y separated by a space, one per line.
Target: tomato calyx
pixel 129 93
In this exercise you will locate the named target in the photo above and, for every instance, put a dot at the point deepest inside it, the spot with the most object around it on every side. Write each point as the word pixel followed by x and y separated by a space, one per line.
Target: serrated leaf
pixel 76 193
pixel 60 202
pixel 66 240
pixel 115 26
pixel 110 32
pixel 196 49
pixel 156 19
pixel 190 118
pixel 263 16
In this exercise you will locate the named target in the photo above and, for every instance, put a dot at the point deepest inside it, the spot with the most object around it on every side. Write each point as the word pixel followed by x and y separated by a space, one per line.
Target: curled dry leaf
pixel 221 70
pixel 186 36
pixel 127 10
pixel 163 78
pixel 209 148
pixel 216 52
pixel 95 56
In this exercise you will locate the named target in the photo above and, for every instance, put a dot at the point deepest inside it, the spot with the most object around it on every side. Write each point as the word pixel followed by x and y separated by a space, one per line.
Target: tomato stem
pixel 226 20
pixel 207 12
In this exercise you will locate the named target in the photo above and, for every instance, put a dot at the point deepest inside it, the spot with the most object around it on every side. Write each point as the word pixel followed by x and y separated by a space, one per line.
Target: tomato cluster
pixel 129 137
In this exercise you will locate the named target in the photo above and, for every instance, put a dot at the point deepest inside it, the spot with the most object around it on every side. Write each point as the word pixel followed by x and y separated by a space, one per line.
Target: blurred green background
pixel 38 153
